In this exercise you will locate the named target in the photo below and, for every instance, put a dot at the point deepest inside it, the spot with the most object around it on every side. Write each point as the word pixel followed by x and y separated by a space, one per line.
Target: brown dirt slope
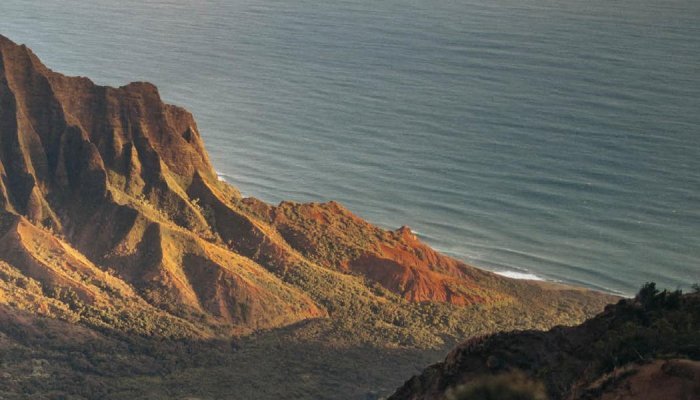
pixel 655 380
pixel 332 236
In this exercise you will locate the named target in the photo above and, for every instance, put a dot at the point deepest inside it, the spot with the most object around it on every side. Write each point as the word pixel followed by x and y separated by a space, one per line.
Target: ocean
pixel 555 140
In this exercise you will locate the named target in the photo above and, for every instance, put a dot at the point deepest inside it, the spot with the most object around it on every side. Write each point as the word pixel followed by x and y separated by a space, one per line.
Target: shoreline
pixel 512 273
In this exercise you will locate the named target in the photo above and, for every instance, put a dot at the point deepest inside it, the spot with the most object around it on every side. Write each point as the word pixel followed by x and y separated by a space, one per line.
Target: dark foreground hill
pixel 646 348
pixel 127 268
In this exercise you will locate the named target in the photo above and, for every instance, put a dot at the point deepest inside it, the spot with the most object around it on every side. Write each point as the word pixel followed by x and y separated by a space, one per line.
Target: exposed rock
pixel 109 170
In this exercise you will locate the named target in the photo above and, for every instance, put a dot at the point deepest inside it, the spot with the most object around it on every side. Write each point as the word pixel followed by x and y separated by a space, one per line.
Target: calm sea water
pixel 552 138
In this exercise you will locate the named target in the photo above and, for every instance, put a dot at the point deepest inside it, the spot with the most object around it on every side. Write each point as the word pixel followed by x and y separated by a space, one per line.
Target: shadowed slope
pixel 609 356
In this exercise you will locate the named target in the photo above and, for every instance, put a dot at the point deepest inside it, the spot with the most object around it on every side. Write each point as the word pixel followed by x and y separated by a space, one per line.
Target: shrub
pixel 513 386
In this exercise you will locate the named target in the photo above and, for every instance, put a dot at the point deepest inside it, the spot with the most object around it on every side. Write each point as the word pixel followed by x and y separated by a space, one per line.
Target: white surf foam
pixel 519 275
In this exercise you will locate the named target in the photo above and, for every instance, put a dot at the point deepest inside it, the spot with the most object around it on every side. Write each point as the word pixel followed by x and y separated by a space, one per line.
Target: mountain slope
pixel 113 220
pixel 108 169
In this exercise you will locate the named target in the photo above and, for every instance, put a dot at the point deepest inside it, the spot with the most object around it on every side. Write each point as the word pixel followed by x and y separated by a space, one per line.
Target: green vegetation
pixel 362 315
pixel 81 364
pixel 332 242
pixel 374 342
pixel 570 361
pixel 656 324
pixel 512 386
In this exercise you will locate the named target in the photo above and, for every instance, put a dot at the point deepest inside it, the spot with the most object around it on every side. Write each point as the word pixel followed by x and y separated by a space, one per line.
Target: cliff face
pixel 647 348
pixel 108 171
pixel 101 184
pixel 125 178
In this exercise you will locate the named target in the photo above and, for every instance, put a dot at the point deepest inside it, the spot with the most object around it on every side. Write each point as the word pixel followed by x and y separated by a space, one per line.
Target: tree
pixel 647 294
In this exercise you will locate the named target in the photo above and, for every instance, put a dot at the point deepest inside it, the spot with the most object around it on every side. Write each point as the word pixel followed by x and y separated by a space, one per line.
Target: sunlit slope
pixel 111 206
